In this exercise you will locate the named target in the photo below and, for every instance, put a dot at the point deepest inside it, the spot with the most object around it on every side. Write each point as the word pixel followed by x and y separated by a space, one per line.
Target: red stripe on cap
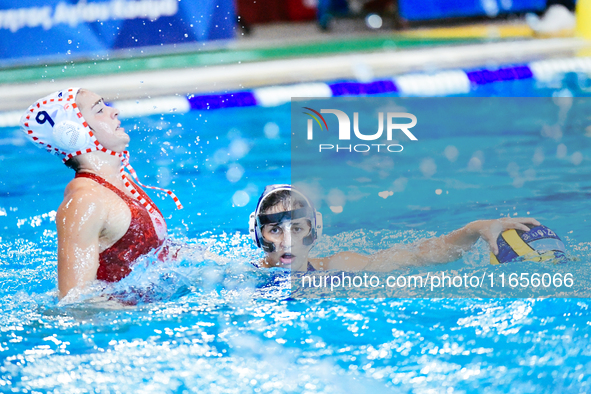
pixel 133 192
pixel 26 124
pixel 30 131
pixel 104 150
pixel 74 105
pixel 79 114
pixel 96 143
pixel 45 102
pixel 78 152
pixel 35 138
pixel 88 150
pixel 90 132
pixel 38 105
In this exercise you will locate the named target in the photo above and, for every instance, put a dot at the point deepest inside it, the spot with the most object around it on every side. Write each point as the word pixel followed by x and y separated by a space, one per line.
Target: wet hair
pixel 284 199
pixel 82 91
pixel 73 163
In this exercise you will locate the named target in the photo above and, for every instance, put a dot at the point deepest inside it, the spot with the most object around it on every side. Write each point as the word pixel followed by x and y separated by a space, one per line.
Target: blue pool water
pixel 216 324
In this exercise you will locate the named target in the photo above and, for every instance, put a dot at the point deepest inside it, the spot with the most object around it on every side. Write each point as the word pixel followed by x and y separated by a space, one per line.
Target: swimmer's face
pixel 103 120
pixel 288 238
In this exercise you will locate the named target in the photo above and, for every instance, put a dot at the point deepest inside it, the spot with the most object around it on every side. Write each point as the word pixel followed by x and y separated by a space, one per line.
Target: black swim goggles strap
pixel 279 217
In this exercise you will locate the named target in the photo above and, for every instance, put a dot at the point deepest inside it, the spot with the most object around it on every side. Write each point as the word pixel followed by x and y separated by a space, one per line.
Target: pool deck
pixel 285 54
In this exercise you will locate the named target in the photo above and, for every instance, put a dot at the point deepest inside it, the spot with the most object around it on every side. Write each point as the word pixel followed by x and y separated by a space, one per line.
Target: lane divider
pixel 442 83
pixel 276 95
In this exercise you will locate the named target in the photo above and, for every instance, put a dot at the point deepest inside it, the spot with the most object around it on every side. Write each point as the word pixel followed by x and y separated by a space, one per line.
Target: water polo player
pixel 106 221
pixel 286 225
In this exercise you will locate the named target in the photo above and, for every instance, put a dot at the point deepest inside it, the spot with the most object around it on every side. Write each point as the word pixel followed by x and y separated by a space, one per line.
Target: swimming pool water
pixel 217 324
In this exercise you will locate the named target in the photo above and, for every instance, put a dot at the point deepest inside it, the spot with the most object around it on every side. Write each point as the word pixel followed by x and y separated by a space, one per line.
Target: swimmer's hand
pixel 103 302
pixel 80 297
pixel 188 252
pixel 490 230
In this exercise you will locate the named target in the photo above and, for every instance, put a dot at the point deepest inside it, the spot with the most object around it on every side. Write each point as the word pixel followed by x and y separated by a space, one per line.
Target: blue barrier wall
pixel 413 10
pixel 32 30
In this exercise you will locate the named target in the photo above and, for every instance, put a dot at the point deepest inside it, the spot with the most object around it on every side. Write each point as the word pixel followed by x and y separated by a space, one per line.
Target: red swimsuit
pixel 141 236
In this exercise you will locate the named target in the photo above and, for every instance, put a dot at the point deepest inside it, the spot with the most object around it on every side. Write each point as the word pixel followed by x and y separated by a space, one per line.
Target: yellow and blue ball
pixel 538 244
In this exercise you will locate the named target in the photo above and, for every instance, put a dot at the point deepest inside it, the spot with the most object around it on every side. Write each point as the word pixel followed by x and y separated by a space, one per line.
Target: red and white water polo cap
pixel 56 124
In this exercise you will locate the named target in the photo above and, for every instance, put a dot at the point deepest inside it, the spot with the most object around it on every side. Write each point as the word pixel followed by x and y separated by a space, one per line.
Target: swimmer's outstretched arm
pixel 442 249
pixel 80 219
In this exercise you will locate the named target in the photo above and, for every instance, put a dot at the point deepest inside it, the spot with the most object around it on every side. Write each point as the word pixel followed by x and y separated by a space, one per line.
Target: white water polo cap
pixel 56 124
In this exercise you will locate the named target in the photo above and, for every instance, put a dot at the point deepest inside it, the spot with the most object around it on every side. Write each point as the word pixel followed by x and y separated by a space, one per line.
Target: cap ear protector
pixel 70 136
pixel 255 224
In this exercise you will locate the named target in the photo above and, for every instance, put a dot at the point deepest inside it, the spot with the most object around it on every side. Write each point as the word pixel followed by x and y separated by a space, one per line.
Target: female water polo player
pixel 105 221
pixel 286 225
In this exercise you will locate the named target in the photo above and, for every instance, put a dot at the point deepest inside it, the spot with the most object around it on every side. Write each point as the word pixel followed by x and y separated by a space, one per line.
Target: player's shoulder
pixel 82 188
pixel 83 195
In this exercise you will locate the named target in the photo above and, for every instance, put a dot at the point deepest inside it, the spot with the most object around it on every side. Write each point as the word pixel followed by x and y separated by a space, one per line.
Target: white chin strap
pixel 125 165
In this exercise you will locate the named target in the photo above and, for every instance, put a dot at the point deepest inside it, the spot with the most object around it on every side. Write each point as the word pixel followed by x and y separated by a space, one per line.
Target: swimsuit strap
pixel 119 192
pixel 103 182
pixel 311 267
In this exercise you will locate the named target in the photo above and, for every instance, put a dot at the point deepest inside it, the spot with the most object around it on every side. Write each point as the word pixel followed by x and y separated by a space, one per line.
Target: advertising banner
pixel 33 30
